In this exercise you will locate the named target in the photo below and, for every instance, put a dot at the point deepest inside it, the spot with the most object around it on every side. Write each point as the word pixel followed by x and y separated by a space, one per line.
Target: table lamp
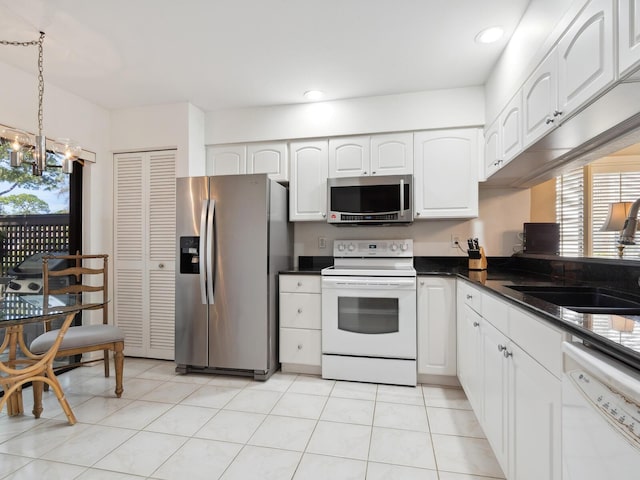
pixel 618 212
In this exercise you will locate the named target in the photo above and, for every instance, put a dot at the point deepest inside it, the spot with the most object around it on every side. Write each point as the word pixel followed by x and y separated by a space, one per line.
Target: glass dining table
pixel 18 365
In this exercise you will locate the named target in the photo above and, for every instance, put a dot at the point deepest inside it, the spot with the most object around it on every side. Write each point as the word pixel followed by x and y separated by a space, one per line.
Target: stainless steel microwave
pixel 374 200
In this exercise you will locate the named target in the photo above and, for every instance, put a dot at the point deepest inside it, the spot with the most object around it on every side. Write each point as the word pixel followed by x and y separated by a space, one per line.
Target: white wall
pixel 175 125
pixel 502 213
pixel 462 107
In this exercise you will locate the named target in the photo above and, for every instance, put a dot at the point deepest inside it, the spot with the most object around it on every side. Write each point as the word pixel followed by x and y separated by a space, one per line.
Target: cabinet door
pixel 446 174
pixel 308 185
pixel 535 422
pixel 470 361
pixel 585 56
pixel 392 154
pixel 540 100
pixel 511 128
pixel 436 326
pixel 495 391
pixel 269 158
pixel 226 160
pixel 492 149
pixel 628 35
pixel 349 157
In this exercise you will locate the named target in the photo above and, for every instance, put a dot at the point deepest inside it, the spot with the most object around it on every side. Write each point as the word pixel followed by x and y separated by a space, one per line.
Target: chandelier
pixel 22 142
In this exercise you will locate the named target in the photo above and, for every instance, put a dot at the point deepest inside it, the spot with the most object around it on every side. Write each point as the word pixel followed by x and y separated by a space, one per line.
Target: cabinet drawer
pixel 471 296
pixel 300 283
pixel 540 341
pixel 300 346
pixel 496 312
pixel 300 310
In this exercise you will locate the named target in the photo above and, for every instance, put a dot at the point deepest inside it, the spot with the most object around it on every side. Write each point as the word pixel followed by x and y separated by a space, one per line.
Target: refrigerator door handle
pixel 211 253
pixel 202 254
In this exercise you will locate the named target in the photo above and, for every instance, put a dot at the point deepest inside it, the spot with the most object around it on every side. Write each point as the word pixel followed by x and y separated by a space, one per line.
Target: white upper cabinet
pixel 540 100
pixel 628 35
pixel 308 187
pixel 586 56
pixel 349 157
pixel 226 160
pixel 269 158
pixel 492 149
pixel 392 154
pixel 385 154
pixel 511 128
pixel 446 173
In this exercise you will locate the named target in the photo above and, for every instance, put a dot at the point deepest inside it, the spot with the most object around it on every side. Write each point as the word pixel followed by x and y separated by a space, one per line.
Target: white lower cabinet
pixel 300 323
pixel 436 325
pixel 515 398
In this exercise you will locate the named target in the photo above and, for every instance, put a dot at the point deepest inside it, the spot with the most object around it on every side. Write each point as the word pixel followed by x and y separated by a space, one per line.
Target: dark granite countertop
pixel 617 336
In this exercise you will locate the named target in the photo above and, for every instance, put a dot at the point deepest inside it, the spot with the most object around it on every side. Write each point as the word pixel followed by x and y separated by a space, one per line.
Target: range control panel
pixel 373 248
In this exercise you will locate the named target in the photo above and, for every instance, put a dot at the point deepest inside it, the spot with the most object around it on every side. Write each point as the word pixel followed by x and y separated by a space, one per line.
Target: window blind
pixel 610 187
pixel 570 212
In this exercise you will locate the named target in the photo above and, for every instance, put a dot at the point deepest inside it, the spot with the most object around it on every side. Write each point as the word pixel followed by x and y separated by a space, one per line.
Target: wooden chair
pixel 85 338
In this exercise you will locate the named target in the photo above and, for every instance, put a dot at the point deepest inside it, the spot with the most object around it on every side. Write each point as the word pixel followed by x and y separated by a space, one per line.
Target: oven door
pixel 369 316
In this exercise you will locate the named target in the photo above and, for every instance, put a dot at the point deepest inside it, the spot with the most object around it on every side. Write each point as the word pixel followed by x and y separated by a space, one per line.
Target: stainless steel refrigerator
pixel 233 237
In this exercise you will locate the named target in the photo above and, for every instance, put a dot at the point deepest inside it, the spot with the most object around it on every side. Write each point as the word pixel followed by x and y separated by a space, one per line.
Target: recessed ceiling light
pixel 313 94
pixel 490 35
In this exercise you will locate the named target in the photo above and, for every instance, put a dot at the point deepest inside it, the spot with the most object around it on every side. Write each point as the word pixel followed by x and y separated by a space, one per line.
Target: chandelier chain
pixel 40 81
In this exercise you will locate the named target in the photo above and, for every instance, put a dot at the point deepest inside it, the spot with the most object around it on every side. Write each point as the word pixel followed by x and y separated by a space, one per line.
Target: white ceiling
pixel 220 54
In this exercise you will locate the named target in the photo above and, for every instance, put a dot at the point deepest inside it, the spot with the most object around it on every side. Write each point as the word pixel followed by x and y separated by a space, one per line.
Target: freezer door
pixel 238 317
pixel 191 326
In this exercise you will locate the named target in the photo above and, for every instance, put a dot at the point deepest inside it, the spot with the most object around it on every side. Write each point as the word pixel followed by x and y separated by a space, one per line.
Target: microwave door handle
pixel 402 197
pixel 202 260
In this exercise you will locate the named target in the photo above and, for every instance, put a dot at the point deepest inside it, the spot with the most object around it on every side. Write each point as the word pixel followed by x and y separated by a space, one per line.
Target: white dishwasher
pixel 600 417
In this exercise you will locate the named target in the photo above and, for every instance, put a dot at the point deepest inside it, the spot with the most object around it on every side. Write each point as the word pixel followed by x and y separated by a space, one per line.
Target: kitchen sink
pixel 584 299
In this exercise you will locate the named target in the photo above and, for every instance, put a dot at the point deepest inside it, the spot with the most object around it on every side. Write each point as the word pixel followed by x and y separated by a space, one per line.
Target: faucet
pixel 630 225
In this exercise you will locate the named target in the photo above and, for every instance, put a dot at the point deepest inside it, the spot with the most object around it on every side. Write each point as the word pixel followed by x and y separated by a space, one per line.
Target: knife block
pixel 478 263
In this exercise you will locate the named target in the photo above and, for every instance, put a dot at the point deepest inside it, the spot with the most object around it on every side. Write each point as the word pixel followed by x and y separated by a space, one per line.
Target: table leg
pixel 37 398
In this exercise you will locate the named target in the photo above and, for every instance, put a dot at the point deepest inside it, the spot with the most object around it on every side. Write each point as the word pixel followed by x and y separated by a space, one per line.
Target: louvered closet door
pixel 144 252
pixel 161 254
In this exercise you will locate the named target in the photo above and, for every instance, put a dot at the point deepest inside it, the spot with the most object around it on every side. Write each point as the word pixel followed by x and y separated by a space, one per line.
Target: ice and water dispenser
pixel 190 255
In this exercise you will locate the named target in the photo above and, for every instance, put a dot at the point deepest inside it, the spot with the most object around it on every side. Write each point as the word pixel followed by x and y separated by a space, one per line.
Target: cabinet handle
pixel 299 284
pixel 364 173
pixel 507 353
pixel 299 310
pixel 476 324
pixel 418 214
pixel 469 297
pixel 161 265
pixel 324 215
pixel 299 346
pixel 372 173
pixel 557 113
pixel 549 120
pixel 501 347
pixel 422 282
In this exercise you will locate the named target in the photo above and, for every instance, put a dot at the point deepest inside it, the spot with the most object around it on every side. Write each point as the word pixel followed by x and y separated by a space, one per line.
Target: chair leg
pixel 106 363
pixel 37 398
pixel 118 360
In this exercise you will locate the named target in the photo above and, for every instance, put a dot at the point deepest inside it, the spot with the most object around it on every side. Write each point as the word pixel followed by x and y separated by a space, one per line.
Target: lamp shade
pixel 621 324
pixel 618 213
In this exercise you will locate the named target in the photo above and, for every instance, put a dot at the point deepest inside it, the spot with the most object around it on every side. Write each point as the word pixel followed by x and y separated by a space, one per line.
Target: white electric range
pixel 369 312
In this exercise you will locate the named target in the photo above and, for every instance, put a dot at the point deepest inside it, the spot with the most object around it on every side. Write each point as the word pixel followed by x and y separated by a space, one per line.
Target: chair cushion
pixel 76 337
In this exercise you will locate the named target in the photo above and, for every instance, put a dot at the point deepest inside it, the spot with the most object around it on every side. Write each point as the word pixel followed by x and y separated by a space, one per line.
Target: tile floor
pixel 299 427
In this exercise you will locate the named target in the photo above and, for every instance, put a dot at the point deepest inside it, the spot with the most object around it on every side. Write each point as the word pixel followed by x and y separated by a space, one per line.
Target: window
pixel 570 213
pixel 37 214
pixel 582 204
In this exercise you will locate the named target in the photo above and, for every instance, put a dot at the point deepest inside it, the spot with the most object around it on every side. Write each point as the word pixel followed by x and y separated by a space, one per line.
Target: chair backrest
pixel 78 273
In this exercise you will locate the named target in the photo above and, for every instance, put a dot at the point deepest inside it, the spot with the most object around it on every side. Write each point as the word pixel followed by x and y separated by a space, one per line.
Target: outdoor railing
pixel 25 235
